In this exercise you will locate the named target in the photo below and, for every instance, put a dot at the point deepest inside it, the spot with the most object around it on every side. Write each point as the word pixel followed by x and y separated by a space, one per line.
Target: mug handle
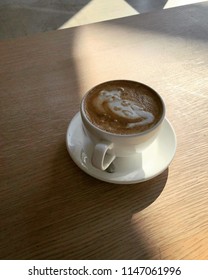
pixel 103 155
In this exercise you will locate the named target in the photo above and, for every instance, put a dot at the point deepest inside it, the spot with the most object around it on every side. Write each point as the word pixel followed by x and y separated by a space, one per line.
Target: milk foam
pixel 115 103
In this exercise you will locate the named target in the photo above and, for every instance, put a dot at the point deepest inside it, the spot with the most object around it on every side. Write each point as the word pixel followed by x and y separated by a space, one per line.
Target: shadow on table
pixel 33 176
pixel 146 6
pixel 91 219
pixel 179 22
pixel 22 18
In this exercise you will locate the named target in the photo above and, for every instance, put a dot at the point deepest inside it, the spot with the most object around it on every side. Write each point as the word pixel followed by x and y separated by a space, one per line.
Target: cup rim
pixel 83 114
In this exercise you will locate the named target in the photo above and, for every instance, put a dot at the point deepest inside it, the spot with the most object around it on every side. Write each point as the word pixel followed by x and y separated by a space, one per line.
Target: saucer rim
pixel 113 181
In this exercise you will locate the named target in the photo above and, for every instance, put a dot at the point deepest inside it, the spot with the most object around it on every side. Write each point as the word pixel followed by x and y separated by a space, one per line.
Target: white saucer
pixel 141 167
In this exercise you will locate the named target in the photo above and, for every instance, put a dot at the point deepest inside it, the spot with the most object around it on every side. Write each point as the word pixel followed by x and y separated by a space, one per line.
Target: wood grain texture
pixel 49 208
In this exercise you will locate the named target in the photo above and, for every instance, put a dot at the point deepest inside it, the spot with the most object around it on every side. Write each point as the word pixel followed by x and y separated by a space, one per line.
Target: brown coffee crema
pixel 123 107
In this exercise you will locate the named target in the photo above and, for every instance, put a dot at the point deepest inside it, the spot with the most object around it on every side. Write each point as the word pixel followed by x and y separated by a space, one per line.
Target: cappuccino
pixel 123 107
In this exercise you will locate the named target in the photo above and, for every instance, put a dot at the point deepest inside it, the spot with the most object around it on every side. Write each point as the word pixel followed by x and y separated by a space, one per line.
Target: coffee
pixel 123 107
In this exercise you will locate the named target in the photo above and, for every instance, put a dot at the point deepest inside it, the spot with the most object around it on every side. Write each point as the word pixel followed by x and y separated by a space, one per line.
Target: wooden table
pixel 49 208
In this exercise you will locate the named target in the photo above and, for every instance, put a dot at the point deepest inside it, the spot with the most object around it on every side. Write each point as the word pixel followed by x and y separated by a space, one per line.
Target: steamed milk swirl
pixel 123 107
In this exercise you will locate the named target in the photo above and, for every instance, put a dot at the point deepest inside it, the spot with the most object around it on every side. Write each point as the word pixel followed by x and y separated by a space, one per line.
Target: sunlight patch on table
pixel 177 3
pixel 96 11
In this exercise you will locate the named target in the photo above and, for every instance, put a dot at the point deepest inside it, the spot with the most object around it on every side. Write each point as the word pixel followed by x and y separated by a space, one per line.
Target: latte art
pixel 123 107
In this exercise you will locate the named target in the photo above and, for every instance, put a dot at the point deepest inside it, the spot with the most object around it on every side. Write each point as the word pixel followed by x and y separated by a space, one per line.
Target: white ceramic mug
pixel 107 146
